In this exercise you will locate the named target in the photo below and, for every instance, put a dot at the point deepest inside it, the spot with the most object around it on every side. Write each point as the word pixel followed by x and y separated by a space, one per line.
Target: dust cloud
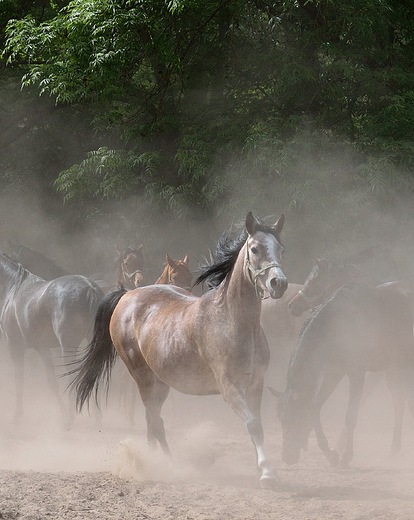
pixel 210 444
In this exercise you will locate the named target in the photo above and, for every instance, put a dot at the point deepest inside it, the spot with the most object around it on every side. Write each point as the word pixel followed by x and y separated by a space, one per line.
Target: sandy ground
pixel 107 471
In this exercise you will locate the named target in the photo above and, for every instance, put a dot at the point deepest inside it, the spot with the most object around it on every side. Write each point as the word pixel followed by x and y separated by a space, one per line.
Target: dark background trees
pixel 181 116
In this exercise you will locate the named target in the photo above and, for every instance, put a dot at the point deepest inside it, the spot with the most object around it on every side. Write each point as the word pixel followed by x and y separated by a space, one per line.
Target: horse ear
pixel 185 259
pixel 278 226
pixel 250 223
pixel 274 392
pixel 170 261
pixel 322 263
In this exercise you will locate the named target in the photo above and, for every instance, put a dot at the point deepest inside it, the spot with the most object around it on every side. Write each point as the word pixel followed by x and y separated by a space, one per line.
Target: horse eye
pixel 254 250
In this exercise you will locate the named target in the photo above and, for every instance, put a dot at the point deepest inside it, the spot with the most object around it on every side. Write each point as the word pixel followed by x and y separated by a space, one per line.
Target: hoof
pixel 268 482
pixel 333 458
pixel 343 464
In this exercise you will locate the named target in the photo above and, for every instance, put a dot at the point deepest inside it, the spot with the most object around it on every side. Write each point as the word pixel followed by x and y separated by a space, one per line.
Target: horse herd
pixel 216 343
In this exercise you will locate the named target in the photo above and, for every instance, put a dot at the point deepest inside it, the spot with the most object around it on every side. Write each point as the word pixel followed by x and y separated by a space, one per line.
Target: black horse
pixel 40 314
pixel 358 329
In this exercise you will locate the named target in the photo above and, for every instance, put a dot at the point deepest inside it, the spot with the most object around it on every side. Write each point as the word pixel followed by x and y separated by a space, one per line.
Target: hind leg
pixel 17 356
pixel 153 393
pixel 47 360
pixel 396 387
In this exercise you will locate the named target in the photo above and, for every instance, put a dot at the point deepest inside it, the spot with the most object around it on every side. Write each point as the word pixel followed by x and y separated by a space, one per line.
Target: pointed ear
pixel 185 259
pixel 278 226
pixel 322 263
pixel 276 393
pixel 250 223
pixel 170 262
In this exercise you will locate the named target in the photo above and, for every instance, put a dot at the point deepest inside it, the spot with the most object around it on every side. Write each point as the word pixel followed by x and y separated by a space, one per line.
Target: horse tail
pixel 100 354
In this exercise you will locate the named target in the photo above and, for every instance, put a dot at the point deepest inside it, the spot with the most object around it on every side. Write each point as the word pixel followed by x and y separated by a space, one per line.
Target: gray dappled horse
pixel 209 345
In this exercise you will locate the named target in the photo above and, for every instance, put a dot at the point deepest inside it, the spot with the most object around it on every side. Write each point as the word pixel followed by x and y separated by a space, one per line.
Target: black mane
pixel 225 255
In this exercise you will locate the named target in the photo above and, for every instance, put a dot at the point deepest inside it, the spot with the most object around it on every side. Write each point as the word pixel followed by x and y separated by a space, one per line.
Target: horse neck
pixel 342 274
pixel 121 279
pixel 11 280
pixel 239 293
pixel 164 278
pixel 308 358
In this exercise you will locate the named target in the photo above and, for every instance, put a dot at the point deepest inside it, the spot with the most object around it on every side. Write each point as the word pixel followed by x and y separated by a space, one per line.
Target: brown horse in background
pixel 209 345
pixel 129 267
pixel 177 272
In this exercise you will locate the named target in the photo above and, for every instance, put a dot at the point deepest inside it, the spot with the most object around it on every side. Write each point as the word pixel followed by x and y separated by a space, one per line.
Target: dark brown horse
pixel 43 315
pixel 129 267
pixel 35 262
pixel 282 330
pixel 201 346
pixel 358 329
pixel 324 279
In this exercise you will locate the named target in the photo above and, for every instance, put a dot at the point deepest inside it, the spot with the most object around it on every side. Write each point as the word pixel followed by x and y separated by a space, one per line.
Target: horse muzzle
pixel 277 287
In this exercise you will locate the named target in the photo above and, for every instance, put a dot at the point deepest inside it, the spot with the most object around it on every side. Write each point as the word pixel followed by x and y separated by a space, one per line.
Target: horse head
pixel 315 289
pixel 263 258
pixel 296 414
pixel 179 272
pixel 130 267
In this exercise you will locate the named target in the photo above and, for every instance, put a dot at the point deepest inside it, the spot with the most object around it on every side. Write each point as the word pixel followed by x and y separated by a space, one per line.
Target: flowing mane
pixel 225 255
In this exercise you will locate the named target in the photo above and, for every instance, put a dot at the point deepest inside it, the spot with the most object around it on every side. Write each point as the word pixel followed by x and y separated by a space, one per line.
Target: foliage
pixel 227 105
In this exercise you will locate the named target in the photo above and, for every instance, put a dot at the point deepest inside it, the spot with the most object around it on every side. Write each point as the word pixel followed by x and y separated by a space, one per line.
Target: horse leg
pixel 153 394
pixel 398 394
pixel 330 381
pixel 247 407
pixel 17 356
pixel 371 382
pixel 47 359
pixel 356 386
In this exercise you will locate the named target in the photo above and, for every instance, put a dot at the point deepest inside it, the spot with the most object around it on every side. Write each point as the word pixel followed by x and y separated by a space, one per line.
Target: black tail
pixel 100 354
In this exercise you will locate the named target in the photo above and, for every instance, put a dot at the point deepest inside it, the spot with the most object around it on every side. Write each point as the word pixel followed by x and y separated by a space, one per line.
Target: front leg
pixel 356 385
pixel 330 381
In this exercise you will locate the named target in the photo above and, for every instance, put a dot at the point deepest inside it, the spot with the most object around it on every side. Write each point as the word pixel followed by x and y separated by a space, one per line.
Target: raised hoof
pixel 333 458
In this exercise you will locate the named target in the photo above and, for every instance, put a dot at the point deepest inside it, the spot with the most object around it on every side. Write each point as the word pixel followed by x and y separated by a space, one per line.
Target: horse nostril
pixel 278 283
pixel 274 283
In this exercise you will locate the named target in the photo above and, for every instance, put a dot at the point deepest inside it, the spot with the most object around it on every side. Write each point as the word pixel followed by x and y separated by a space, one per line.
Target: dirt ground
pixel 107 472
